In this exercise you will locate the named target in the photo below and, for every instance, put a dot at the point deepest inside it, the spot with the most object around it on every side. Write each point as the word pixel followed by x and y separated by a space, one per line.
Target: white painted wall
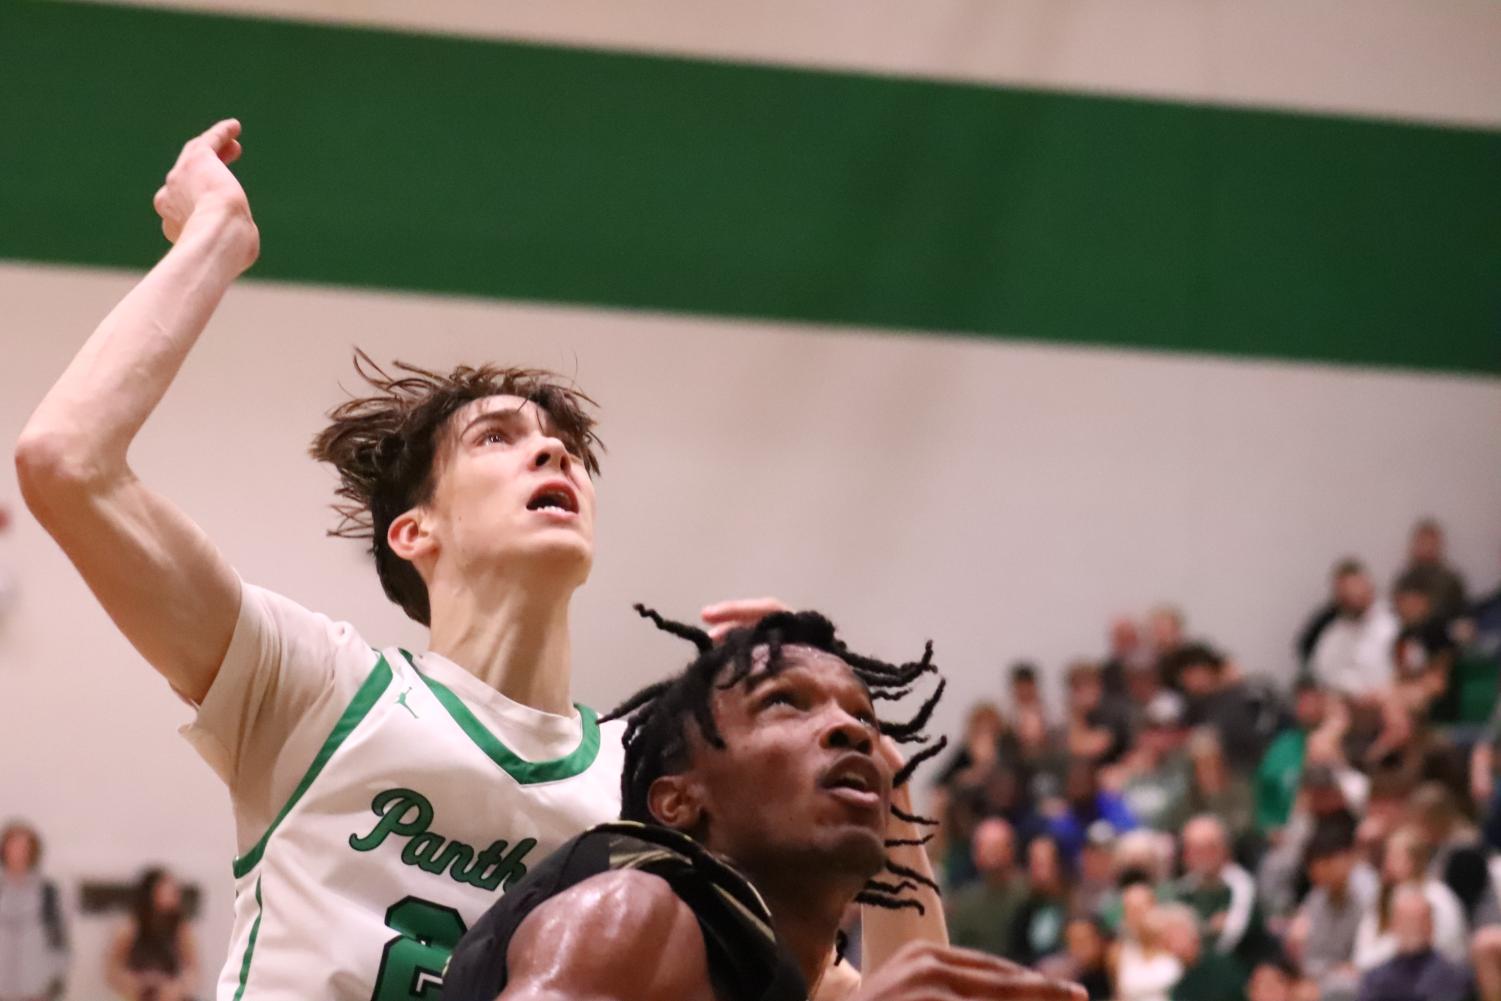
pixel 1004 499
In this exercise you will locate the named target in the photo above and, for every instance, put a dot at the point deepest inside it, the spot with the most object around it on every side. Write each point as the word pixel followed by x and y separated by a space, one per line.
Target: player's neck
pixel 517 642
pixel 806 917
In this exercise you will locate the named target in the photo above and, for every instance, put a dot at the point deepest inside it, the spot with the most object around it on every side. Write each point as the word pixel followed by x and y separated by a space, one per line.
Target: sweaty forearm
pixel 84 426
pixel 886 931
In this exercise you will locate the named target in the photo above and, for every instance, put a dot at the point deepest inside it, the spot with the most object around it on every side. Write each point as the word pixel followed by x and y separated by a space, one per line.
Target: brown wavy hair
pixel 388 448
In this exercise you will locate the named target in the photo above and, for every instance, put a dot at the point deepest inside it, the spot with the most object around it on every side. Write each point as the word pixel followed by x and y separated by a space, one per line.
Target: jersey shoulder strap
pixel 746 961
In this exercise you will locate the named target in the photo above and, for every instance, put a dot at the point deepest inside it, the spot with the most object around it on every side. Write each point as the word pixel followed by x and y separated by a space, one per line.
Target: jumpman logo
pixel 401 700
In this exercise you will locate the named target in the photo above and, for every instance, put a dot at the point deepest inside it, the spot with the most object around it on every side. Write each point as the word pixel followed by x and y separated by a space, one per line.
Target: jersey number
pixel 412 965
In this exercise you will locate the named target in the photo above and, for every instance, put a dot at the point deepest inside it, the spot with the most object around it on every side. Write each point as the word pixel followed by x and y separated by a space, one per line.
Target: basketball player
pixel 709 893
pixel 382 799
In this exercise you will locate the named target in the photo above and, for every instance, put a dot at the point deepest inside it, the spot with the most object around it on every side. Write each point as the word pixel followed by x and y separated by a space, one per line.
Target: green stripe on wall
pixel 496 169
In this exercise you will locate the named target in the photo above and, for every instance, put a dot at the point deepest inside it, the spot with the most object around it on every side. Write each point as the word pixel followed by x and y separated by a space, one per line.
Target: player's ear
pixel 676 802
pixel 409 536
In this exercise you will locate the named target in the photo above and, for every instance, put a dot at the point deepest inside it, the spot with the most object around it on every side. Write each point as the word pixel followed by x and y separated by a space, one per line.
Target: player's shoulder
pixel 608 931
pixel 628 894
pixel 293 619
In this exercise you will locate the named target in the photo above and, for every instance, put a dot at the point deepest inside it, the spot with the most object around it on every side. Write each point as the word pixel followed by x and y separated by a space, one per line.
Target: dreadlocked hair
pixel 386 448
pixel 658 717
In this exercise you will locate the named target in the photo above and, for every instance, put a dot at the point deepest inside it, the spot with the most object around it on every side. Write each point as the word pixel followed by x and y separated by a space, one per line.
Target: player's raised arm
pixel 158 576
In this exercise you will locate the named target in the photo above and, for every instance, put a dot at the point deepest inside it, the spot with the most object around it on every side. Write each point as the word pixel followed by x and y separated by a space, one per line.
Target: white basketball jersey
pixel 411 821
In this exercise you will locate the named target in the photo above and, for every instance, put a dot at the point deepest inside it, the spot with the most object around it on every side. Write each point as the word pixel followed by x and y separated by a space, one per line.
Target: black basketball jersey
pixel 746 961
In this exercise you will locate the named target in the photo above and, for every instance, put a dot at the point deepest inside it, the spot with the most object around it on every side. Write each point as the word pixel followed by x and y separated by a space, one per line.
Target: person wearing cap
pixel 1156 777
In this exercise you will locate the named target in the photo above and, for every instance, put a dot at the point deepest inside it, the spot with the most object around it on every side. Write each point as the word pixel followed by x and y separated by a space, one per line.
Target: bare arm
pixel 886 931
pixel 618 936
pixel 187 951
pixel 158 576
pixel 116 973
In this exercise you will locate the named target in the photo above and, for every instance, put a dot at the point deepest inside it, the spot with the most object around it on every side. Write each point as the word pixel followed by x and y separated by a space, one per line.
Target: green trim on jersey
pixel 364 699
pixel 255 930
pixel 523 771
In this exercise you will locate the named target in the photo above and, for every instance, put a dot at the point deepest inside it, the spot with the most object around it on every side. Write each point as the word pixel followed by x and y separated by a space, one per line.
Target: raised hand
pixel 923 970
pixel 727 616
pixel 201 182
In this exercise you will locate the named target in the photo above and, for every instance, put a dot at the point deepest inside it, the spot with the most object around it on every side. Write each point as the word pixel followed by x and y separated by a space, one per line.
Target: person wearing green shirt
pixel 1281 769
pixel 1207 975
pixel 982 914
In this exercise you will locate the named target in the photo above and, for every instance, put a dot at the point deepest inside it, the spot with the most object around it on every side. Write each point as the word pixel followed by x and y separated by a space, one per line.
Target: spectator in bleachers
pixel 1207 975
pixel 1039 923
pixel 1220 892
pixel 1156 777
pixel 983 913
pixel 1145 968
pixel 1345 795
pixel 1428 569
pixel 1127 652
pixel 1030 725
pixel 1322 937
pixel 154 957
pixel 961 786
pixel 1026 694
pixel 1280 772
pixel 33 936
pixel 1140 856
pixel 1323 801
pixel 1404 864
pixel 1459 858
pixel 1484 629
pixel 1096 875
pixel 1215 789
pixel 1484 790
pixel 1095 731
pixel 1166 627
pixel 1083 804
pixel 1088 943
pixel 1424 652
pixel 1217 696
pixel 1417 970
pixel 1353 653
pixel 1277 980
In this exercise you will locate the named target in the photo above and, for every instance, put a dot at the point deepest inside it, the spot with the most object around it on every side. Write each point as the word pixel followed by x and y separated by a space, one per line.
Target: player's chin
pixel 856 848
pixel 561 546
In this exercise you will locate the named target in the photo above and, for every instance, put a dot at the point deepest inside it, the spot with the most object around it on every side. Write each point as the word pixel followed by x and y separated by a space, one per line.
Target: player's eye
pixel 494 436
pixel 782 697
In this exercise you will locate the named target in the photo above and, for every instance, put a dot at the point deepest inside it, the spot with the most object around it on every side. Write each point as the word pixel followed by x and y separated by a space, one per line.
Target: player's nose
pixel 841 732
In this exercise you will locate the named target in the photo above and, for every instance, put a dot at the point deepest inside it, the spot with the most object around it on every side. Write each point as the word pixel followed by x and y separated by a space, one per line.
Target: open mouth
pixel 555 496
pixel 854 779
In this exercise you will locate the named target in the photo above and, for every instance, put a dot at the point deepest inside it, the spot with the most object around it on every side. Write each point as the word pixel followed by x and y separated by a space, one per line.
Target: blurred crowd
pixel 152 956
pixel 1186 831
